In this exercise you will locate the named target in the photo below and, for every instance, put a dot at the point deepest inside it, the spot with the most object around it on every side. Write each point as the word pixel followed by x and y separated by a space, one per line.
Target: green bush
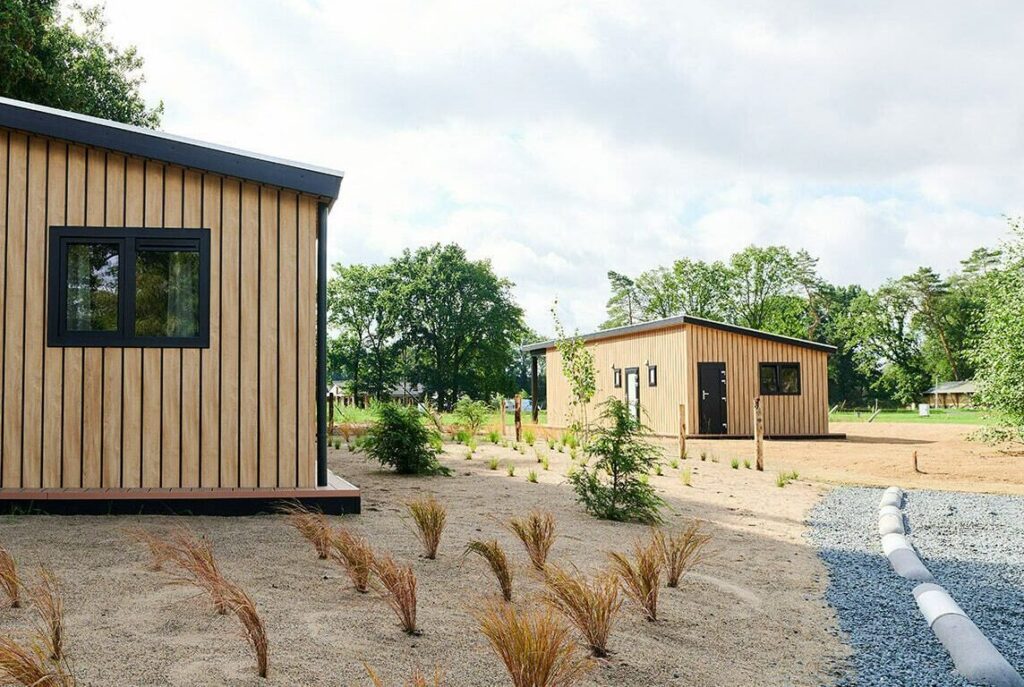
pixel 462 436
pixel 493 437
pixel 529 437
pixel 614 485
pixel 399 439
pixel 472 414
pixel 735 463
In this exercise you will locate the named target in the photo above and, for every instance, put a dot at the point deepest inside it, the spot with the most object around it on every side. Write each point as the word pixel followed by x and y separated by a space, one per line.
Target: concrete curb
pixel 973 654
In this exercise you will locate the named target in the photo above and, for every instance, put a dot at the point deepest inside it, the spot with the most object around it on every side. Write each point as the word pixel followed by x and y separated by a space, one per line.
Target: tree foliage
pixel 431 317
pixel 67 62
pixel 614 486
pixel 579 369
pixel 398 438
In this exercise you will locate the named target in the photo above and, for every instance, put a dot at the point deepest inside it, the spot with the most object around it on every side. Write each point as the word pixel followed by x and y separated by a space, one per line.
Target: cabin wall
pixel 803 414
pixel 664 348
pixel 240 413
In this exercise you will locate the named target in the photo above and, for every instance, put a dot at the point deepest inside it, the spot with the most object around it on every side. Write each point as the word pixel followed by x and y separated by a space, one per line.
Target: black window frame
pixel 130 240
pixel 652 375
pixel 616 377
pixel 778 367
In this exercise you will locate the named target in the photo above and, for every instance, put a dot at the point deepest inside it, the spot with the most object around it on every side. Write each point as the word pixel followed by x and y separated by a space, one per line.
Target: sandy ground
pixel 882 455
pixel 752 614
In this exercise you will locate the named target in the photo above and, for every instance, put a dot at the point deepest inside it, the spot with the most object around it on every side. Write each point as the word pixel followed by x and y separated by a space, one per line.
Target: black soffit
pixel 157 145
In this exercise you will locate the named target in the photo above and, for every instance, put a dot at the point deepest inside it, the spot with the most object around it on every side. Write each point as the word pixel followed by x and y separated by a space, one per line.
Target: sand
pixel 752 614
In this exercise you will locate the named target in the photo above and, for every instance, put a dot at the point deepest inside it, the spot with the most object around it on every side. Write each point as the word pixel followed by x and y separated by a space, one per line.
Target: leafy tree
pixel 624 306
pixel 614 485
pixel 67 62
pixel 460 320
pixel 999 354
pixel 472 414
pixel 399 439
pixel 579 370
pixel 700 288
pixel 762 283
pixel 847 379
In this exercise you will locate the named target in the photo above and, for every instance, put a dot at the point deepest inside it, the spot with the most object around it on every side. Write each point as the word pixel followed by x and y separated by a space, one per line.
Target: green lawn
pixel 938 416
pixel 365 415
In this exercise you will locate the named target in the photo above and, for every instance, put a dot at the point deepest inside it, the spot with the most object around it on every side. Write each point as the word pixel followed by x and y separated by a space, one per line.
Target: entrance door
pixel 711 399
pixel 633 391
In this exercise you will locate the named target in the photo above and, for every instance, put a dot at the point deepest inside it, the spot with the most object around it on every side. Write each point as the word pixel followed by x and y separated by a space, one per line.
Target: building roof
pixel 681 320
pixel 965 387
pixel 157 145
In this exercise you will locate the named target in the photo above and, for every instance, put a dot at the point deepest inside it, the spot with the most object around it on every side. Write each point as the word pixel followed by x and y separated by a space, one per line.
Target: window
pixel 652 375
pixel 780 379
pixel 129 287
pixel 617 377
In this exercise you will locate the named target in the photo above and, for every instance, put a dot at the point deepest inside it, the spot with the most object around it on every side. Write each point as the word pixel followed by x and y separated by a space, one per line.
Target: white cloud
pixel 564 139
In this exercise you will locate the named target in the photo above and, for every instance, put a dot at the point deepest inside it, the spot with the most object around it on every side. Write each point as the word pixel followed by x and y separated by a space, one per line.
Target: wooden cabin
pixel 712 369
pixel 162 335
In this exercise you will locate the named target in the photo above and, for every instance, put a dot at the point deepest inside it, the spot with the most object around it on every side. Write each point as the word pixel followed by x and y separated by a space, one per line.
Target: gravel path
pixel 972 543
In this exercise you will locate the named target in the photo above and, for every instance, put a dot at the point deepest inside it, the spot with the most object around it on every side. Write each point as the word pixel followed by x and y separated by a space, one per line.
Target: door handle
pixel 703 395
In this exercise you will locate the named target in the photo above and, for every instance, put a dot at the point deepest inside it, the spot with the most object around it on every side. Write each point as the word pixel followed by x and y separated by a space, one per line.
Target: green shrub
pixel 493 436
pixel 674 463
pixel 472 444
pixel 746 463
pixel 614 486
pixel 531 476
pixel 551 444
pixel 492 463
pixel 469 455
pixel 529 437
pixel 511 470
pixel 462 436
pixel 735 463
pixel 784 478
pixel 472 414
pixel 399 439
pixel 657 470
pixel 686 476
pixel 545 463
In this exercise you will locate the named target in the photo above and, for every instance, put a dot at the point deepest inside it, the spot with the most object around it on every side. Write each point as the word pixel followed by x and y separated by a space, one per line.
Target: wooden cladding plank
pixel 229 319
pixel 53 358
pixel 249 335
pixel 307 345
pixel 191 382
pixel 14 311
pixel 151 425
pixel 113 358
pixel 35 287
pixel 266 400
pixel 6 192
pixel 210 469
pixel 288 362
pixel 171 384
pixel 131 410
pixel 92 411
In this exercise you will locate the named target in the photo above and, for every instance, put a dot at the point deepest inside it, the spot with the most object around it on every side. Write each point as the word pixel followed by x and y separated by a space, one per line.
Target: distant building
pixel 950 394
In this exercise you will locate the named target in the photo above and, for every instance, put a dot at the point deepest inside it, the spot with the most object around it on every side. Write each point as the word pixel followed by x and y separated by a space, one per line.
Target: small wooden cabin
pixel 713 369
pixel 162 336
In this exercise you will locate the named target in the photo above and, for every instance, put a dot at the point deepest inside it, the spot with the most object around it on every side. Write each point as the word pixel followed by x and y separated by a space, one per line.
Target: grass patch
pixel 429 516
pixel 784 478
pixel 396 584
pixel 537 533
pixel 640 576
pixel 590 604
pixel 492 552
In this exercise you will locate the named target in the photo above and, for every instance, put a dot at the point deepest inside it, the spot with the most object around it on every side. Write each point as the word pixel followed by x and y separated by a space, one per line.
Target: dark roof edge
pixel 157 145
pixel 681 320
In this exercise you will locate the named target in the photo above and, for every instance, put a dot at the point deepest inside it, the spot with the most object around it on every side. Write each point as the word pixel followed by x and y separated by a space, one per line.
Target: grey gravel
pixel 972 543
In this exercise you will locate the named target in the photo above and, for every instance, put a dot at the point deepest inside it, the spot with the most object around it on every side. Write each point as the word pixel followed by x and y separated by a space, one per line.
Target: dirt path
pixel 881 455
pixel 752 615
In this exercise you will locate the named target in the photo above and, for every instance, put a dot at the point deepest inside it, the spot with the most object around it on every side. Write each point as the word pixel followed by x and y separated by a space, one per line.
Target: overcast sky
pixel 561 140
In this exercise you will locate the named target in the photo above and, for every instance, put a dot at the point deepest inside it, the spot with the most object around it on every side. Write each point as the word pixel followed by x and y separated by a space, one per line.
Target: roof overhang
pixel 678 321
pixel 157 145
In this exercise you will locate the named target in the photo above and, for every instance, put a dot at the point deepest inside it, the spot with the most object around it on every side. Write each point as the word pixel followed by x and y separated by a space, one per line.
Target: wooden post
pixel 330 414
pixel 759 433
pixel 519 417
pixel 682 431
pixel 916 469
pixel 534 390
pixel 501 414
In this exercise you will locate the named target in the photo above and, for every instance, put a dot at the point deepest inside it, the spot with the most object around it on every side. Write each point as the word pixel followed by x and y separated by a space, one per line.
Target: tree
pixel 614 486
pixel 762 283
pixel 578 368
pixel 361 306
pixel 398 438
pixel 999 353
pixel 624 305
pixel 460 320
pixel 67 62
pixel 847 380
pixel 700 288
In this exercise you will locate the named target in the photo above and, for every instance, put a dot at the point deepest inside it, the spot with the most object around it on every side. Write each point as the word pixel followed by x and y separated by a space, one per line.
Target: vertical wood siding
pixel 677 352
pixel 239 413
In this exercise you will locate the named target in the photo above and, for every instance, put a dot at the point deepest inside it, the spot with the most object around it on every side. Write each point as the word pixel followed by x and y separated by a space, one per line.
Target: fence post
pixel 682 431
pixel 330 414
pixel 519 417
pixel 759 433
pixel 501 415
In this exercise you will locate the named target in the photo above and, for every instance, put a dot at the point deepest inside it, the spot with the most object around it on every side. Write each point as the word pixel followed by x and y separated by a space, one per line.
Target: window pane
pixel 789 379
pixel 92 287
pixel 769 381
pixel 166 293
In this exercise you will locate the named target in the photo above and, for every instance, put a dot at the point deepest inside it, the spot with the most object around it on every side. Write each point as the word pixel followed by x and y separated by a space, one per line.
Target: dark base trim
pixel 331 505
pixel 838 436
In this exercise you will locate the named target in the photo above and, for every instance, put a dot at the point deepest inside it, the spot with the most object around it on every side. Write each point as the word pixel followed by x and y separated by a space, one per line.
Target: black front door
pixel 633 391
pixel 711 398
